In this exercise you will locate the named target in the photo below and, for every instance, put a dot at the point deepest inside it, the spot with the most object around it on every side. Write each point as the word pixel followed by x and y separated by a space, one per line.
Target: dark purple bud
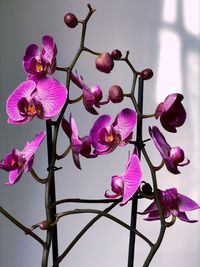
pixel 146 74
pixel 116 54
pixel 70 20
pixel 104 63
pixel 147 189
pixel 116 94
pixel 177 154
pixel 44 225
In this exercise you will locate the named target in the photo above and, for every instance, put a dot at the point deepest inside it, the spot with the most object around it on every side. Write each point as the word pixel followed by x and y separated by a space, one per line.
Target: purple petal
pixel 159 141
pixel 154 215
pixel 125 122
pixel 152 207
pixel 186 204
pixel 102 122
pixel 75 140
pixel 30 148
pixel 117 184
pixel 52 94
pixel 9 162
pixel 107 195
pixel 24 90
pixel 76 160
pixel 31 52
pixel 131 178
pixel 183 217
pixel 14 176
pixel 49 50
pixel 66 127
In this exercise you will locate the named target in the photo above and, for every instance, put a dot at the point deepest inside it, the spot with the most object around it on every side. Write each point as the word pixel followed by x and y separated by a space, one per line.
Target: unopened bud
pixel 104 63
pixel 116 94
pixel 116 54
pixel 70 20
pixel 177 154
pixel 146 74
pixel 147 189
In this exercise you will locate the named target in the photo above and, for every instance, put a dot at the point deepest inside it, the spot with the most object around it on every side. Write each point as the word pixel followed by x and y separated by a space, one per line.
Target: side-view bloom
pixel 171 112
pixel 106 136
pixel 91 96
pixel 104 62
pixel 43 100
pixel 174 204
pixel 19 162
pixel 127 184
pixel 40 63
pixel 172 156
pixel 79 145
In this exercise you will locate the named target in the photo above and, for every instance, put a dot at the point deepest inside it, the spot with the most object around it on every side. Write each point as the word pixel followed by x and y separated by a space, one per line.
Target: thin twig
pixel 26 230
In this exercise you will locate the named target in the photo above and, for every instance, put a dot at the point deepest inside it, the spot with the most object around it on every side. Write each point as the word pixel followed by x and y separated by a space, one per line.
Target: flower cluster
pixel 44 97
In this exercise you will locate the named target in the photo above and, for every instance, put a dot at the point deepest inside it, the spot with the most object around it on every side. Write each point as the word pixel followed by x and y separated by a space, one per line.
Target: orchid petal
pixel 125 122
pixel 25 89
pixel 31 52
pixel 49 50
pixel 14 176
pixel 186 204
pixel 52 94
pixel 102 122
pixel 183 217
pixel 131 178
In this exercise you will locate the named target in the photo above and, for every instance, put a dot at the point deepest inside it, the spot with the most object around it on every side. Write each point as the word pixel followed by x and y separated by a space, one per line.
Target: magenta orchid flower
pixel 91 96
pixel 79 145
pixel 127 184
pixel 172 156
pixel 43 100
pixel 106 136
pixel 174 204
pixel 171 112
pixel 19 162
pixel 40 63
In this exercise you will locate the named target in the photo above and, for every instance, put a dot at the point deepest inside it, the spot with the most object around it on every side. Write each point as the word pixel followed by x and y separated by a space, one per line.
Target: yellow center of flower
pixel 109 138
pixel 31 110
pixel 39 67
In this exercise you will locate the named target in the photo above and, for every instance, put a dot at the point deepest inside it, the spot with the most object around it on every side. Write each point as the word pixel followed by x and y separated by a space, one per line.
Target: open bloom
pixel 19 162
pixel 79 145
pixel 171 112
pixel 91 96
pixel 174 204
pixel 172 156
pixel 44 100
pixel 127 184
pixel 106 136
pixel 40 63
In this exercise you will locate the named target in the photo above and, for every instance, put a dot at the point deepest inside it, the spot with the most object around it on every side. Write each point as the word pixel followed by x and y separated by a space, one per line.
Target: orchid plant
pixel 45 98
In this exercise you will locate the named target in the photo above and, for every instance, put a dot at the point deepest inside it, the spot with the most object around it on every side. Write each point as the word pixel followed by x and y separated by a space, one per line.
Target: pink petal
pixel 183 217
pixel 102 122
pixel 125 122
pixel 186 204
pixel 30 148
pixel 131 178
pixel 14 176
pixel 52 94
pixel 25 89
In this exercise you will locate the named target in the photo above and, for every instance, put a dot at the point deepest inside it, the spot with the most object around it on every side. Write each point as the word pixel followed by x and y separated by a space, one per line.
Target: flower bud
pixel 146 74
pixel 147 189
pixel 116 94
pixel 104 63
pixel 177 154
pixel 71 20
pixel 116 54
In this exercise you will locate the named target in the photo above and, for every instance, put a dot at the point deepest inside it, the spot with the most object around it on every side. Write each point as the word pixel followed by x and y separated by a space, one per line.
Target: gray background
pixel 161 35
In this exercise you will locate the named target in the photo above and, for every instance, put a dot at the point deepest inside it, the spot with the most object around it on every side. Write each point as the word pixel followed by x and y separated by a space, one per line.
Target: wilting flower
pixel 91 96
pixel 104 62
pixel 171 112
pixel 127 184
pixel 40 63
pixel 174 204
pixel 29 99
pixel 172 156
pixel 19 162
pixel 79 145
pixel 106 136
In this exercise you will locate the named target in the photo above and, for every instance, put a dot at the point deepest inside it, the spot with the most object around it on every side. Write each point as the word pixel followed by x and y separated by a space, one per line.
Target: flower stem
pixel 139 142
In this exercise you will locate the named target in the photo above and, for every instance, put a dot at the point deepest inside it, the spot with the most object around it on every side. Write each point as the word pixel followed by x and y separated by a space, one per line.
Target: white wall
pixel 159 35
